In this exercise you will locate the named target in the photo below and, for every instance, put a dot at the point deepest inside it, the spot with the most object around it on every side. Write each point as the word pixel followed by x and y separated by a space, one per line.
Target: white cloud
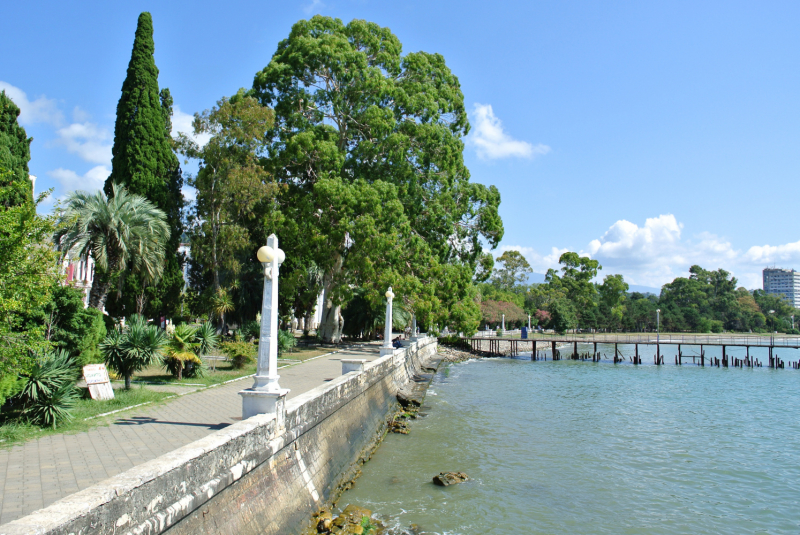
pixel 492 142
pixel 94 179
pixel 79 115
pixel 41 110
pixel 658 251
pixel 189 194
pixel 315 5
pixel 89 141
pixel 182 122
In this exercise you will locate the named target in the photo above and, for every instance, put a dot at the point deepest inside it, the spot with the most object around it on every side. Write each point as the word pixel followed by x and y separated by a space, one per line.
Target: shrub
pixel 133 348
pixel 239 353
pixel 251 330
pixel 286 341
pixel 49 394
pixel 10 386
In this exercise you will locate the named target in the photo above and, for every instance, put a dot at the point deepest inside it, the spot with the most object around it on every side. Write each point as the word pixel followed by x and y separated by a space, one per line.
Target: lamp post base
pixel 259 402
pixel 387 351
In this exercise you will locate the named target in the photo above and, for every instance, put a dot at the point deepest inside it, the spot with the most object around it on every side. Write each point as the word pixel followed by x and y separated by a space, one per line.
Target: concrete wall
pixel 264 475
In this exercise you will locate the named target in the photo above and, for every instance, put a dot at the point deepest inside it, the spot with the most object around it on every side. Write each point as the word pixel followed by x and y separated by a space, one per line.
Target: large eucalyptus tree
pixel 368 144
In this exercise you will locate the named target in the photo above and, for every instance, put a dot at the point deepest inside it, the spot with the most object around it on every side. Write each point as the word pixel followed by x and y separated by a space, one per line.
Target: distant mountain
pixel 536 278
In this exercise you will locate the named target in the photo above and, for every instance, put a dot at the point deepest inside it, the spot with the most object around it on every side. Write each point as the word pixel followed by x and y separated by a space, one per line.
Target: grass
pixel 14 431
pixel 224 372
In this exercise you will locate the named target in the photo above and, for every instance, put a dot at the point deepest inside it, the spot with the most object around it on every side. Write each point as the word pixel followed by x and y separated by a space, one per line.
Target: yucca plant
pixel 186 346
pixel 133 348
pixel 286 341
pixel 49 393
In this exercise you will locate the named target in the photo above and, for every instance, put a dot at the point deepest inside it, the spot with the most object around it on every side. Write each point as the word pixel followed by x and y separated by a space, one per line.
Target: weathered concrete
pixel 263 475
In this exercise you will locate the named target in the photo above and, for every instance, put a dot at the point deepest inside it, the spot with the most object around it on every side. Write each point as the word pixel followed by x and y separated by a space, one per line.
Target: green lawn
pixel 13 431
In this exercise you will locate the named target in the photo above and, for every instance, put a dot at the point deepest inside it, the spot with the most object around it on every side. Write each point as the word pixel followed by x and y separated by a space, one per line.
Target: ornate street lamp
pixel 266 396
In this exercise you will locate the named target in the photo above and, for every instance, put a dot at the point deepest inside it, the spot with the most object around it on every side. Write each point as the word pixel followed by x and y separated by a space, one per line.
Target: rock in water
pixel 449 478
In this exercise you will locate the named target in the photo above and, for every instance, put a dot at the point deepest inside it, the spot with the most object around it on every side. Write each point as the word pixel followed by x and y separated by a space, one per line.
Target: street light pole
pixel 266 396
pixel 388 348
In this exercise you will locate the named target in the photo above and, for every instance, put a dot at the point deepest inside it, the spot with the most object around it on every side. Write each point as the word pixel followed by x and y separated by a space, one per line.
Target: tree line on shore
pixel 345 147
pixel 703 302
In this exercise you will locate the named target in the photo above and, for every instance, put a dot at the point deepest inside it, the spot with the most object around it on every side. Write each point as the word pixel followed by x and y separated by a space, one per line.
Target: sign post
pixel 96 377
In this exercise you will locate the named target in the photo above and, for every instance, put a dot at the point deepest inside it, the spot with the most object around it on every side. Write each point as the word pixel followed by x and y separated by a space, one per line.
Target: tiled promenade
pixel 40 472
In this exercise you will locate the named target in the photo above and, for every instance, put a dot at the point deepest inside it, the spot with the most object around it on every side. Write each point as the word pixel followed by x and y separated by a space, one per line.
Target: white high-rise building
pixel 783 281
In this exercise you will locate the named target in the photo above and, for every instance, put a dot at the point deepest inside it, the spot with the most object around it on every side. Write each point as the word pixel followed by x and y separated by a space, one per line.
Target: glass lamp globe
pixel 265 254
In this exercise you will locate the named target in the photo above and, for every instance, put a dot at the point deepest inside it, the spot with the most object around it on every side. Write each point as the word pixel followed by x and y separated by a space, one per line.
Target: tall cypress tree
pixel 143 161
pixel 15 153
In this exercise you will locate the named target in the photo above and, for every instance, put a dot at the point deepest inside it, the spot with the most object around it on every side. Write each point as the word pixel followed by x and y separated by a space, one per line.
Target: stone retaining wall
pixel 264 475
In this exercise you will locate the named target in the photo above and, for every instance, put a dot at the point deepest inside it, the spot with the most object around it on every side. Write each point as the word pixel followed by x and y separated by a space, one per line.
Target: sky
pixel 648 135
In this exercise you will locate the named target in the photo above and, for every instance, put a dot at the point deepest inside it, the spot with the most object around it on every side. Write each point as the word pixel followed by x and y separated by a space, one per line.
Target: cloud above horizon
pixel 41 110
pixel 491 141
pixel 658 252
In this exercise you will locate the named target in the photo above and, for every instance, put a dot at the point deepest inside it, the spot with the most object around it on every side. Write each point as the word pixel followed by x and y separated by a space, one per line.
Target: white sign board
pixel 96 377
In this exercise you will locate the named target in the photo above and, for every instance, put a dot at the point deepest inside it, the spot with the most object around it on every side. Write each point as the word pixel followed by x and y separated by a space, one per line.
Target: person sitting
pixel 396 343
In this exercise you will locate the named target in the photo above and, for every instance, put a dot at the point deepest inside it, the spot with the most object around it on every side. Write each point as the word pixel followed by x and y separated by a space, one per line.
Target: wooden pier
pixel 538 344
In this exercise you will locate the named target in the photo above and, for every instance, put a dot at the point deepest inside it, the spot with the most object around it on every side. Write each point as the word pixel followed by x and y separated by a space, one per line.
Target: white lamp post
pixel 387 348
pixel 266 396
pixel 529 322
pixel 504 323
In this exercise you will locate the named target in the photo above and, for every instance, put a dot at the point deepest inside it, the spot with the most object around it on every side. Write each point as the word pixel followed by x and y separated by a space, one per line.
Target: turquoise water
pixel 582 447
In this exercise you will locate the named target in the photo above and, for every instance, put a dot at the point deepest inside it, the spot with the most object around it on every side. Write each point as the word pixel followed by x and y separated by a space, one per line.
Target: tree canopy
pixel 363 130
pixel 144 162
pixel 15 153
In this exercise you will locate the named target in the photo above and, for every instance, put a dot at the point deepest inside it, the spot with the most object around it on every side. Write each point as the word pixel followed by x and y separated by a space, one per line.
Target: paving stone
pixel 40 472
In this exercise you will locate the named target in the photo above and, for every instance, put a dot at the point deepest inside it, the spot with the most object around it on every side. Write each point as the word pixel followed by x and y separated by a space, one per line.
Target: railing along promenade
pixel 503 345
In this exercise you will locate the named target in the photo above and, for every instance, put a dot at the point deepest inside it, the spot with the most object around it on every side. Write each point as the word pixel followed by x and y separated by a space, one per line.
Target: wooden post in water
pixel 680 356
pixel 702 356
pixel 554 351
pixel 636 351
pixel 724 358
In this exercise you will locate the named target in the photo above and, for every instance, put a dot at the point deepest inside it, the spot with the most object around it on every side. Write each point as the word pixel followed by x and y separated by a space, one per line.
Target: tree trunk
pixel 98 293
pixel 128 382
pixel 180 369
pixel 330 328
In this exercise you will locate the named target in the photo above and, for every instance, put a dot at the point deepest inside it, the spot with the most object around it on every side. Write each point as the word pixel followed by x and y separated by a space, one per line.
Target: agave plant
pixel 133 348
pixel 49 393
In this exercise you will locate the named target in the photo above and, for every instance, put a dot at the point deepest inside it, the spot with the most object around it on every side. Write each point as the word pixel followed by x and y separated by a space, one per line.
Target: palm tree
pixel 186 345
pixel 133 348
pixel 221 304
pixel 123 233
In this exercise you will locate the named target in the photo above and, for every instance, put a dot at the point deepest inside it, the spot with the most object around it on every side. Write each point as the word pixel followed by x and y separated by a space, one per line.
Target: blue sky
pixel 651 136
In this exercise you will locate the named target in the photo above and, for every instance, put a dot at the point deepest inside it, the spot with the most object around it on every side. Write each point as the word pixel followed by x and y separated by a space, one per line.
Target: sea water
pixel 583 447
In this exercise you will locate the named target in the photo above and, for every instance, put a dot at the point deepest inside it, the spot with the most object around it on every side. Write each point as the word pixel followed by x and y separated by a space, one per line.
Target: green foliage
pixel 251 330
pixel 10 385
pixel 286 341
pixel 15 185
pixel 28 272
pixel 367 147
pixel 124 234
pixel 563 315
pixel 239 353
pixel 133 348
pixel 49 392
pixel 70 326
pixel 514 271
pixel 232 186
pixel 185 346
pixel 143 161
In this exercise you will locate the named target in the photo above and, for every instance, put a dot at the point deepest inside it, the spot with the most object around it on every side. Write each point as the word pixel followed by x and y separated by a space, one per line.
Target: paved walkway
pixel 40 472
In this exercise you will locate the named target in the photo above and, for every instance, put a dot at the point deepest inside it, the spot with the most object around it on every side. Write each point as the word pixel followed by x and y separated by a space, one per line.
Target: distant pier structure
pixel 566 346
